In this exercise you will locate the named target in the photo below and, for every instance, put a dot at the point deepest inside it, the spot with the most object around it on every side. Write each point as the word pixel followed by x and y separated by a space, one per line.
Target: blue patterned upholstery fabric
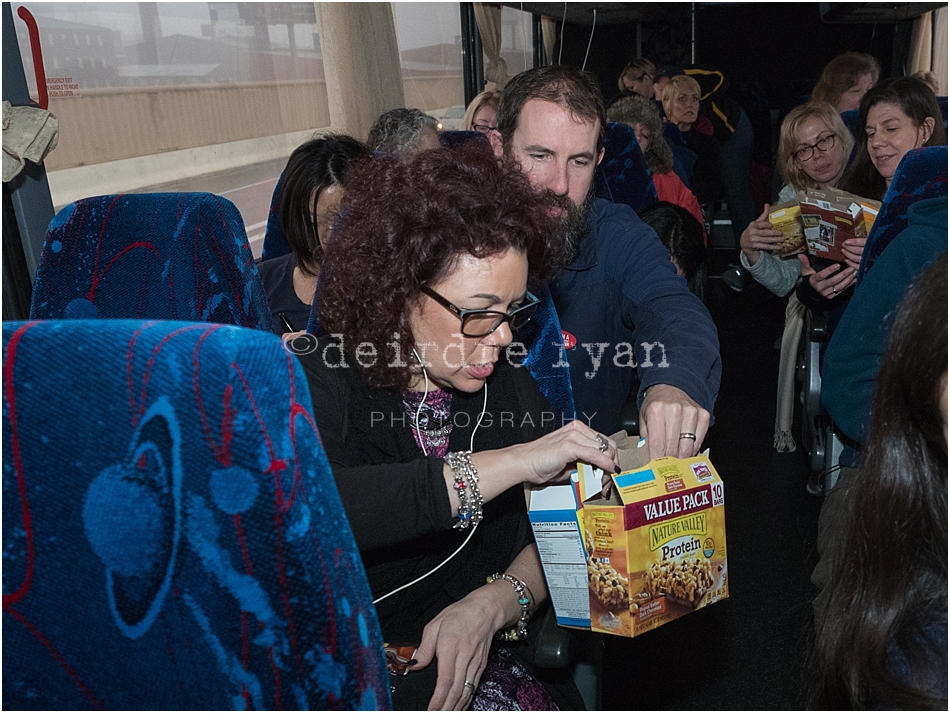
pixel 172 533
pixel 545 340
pixel 922 174
pixel 150 256
pixel 623 175
pixel 275 243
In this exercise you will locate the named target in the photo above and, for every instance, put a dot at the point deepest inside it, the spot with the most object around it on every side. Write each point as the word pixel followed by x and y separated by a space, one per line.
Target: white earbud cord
pixel 471 446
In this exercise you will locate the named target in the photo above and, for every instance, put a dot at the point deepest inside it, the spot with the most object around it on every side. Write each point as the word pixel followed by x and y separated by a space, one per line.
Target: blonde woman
pixel 481 114
pixel 813 150
pixel 637 79
pixel 681 106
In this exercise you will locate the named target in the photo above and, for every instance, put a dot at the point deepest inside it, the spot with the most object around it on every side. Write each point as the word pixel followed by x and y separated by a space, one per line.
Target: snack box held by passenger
pixel 651 552
pixel 831 216
pixel 787 218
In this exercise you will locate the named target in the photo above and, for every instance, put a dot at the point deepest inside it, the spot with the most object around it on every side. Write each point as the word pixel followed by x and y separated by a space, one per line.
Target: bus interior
pixel 212 97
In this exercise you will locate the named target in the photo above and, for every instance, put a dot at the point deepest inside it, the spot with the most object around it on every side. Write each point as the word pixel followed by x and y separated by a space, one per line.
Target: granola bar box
pixel 654 550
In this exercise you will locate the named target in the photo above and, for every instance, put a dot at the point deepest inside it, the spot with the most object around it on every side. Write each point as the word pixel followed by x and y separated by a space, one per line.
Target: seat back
pixel 150 256
pixel 623 174
pixel 275 242
pixel 852 119
pixel 546 360
pixel 922 174
pixel 173 536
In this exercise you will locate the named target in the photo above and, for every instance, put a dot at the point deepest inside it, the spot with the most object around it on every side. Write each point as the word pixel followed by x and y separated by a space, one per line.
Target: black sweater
pixel 396 499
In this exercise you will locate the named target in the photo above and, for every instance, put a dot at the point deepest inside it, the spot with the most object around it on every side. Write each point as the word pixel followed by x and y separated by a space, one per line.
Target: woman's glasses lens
pixel 824 144
pixel 480 324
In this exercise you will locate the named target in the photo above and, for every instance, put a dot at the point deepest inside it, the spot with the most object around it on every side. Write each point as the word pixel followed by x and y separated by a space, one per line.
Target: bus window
pixel 430 55
pixel 179 96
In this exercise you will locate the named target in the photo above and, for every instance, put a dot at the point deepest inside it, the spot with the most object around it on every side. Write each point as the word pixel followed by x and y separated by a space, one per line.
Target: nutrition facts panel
pixel 565 568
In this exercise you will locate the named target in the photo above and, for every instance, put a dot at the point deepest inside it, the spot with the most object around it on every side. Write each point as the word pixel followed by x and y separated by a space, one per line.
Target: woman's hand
pixel 831 281
pixel 551 458
pixel 853 249
pixel 459 638
pixel 760 235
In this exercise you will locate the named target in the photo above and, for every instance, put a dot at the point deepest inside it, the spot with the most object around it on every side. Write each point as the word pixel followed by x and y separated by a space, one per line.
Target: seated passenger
pixel 853 358
pixel 643 116
pixel 882 641
pixel 636 79
pixel 426 277
pixel 813 151
pixel 619 299
pixel 682 235
pixel 845 80
pixel 681 105
pixel 404 132
pixel 482 113
pixel 312 187
pixel 898 115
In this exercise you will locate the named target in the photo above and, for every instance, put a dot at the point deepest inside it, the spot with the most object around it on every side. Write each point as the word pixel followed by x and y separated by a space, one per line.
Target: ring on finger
pixel 470 685
pixel 834 289
pixel 603 443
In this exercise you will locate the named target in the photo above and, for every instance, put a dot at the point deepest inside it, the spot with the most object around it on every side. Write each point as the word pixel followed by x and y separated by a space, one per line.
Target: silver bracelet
pixel 520 630
pixel 466 486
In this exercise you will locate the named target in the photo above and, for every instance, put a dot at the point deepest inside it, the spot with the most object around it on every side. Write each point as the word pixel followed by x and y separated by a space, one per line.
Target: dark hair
pixel 407 226
pixel 682 235
pixel 842 73
pixel 399 131
pixel 918 102
pixel 891 574
pixel 312 168
pixel 578 91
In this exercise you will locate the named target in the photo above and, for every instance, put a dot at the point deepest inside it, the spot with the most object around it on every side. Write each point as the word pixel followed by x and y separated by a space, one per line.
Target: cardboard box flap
pixel 632 453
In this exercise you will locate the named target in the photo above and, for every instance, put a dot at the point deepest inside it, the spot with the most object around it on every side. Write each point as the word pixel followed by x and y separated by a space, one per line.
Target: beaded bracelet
pixel 466 485
pixel 520 629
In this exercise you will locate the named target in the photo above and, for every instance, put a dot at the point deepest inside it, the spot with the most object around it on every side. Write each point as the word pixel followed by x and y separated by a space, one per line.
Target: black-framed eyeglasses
pixel 484 128
pixel 825 143
pixel 482 322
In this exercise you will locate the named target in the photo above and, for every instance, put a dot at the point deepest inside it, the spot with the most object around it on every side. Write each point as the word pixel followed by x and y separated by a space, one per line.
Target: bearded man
pixel 623 309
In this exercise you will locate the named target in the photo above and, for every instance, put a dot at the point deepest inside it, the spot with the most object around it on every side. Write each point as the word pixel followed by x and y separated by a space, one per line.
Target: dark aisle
pixel 748 652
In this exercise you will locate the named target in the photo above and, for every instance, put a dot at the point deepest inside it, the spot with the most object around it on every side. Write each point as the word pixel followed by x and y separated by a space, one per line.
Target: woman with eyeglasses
pixel 431 426
pixel 814 146
pixel 481 114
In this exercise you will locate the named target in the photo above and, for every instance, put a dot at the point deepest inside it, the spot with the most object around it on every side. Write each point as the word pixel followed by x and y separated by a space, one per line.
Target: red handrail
pixel 37 52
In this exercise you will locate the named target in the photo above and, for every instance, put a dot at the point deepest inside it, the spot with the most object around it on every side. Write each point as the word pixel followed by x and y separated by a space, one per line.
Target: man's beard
pixel 574 224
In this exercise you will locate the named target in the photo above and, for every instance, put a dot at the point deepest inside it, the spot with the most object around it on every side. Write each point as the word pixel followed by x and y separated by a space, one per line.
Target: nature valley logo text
pixel 664 532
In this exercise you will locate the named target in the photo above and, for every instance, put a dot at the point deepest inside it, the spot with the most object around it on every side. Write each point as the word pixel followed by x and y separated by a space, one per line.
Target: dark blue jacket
pixel 853 357
pixel 620 295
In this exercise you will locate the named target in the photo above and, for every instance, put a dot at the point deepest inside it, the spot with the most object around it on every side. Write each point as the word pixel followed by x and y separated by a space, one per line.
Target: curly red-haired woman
pixel 432 428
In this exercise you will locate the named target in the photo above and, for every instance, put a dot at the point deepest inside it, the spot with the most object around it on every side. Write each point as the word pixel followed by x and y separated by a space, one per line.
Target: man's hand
pixel 666 414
